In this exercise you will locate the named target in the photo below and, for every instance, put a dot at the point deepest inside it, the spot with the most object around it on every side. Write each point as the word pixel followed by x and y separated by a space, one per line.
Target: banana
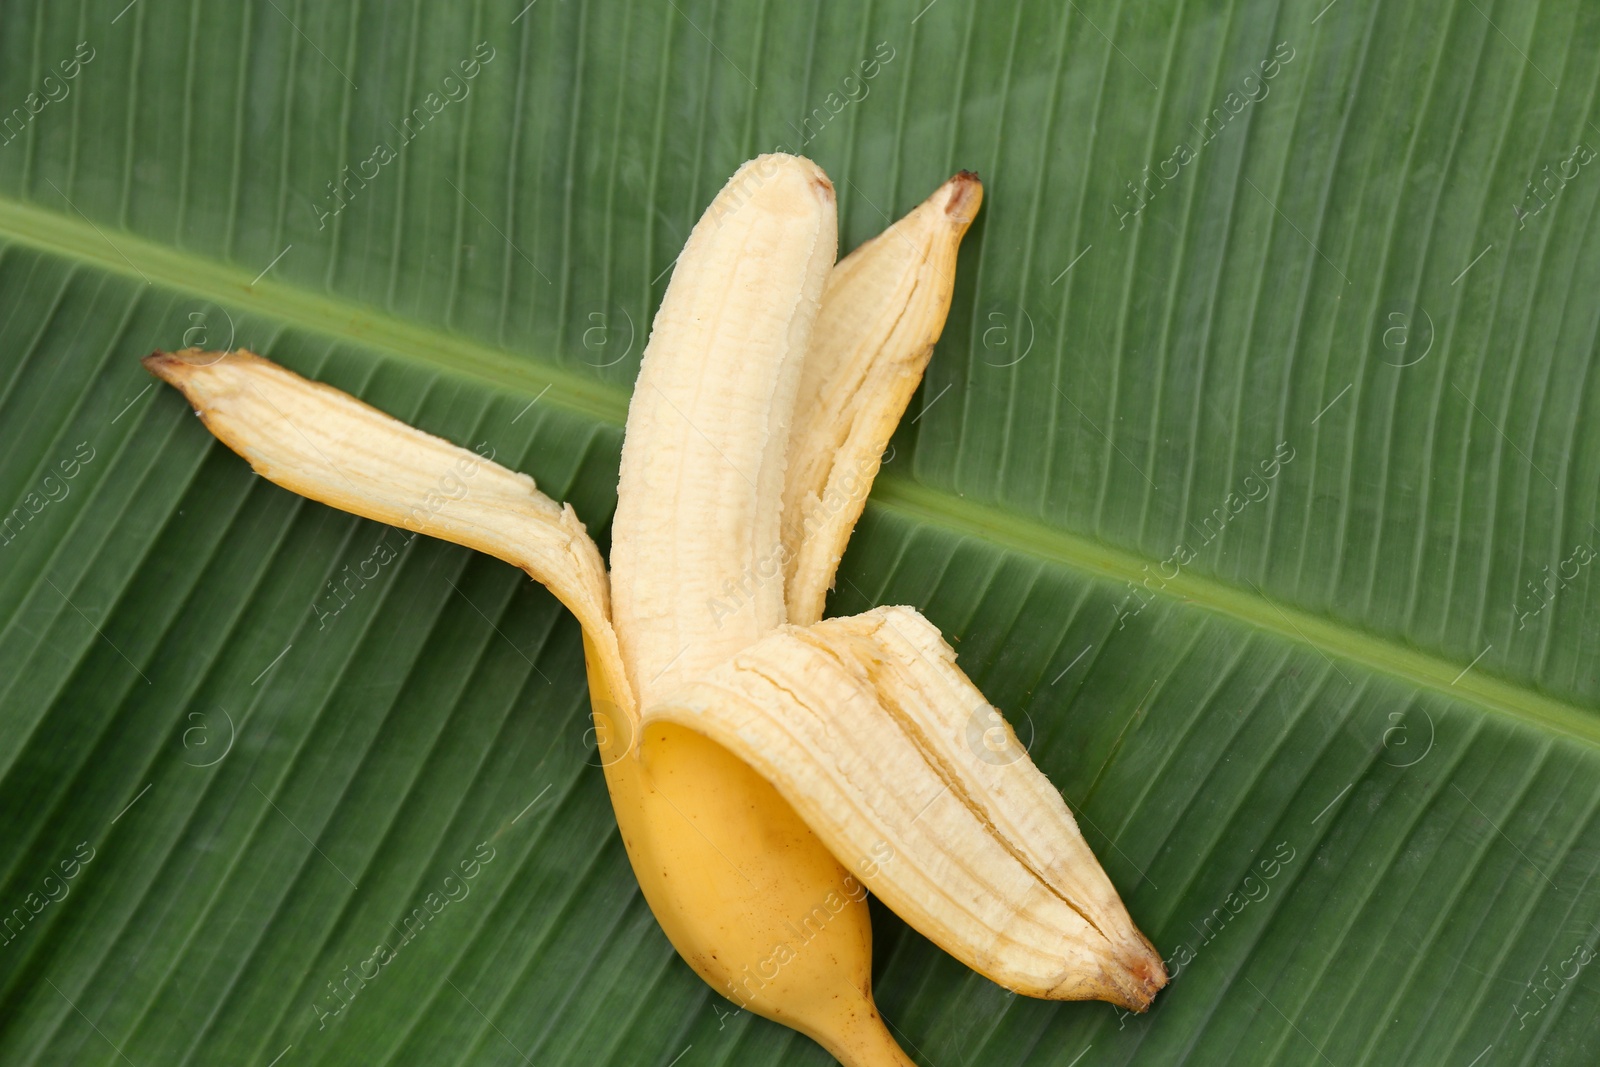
pixel 882 312
pixel 766 768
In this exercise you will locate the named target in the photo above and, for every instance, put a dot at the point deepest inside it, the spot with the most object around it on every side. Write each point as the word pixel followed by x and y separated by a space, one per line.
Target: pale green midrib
pixel 1334 639
pixel 220 283
pixel 139 258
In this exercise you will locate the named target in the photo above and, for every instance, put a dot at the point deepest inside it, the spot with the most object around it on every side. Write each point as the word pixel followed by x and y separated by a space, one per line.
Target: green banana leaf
pixel 1255 477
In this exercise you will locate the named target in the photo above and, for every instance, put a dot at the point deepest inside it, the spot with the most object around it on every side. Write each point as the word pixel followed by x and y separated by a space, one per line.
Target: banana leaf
pixel 1255 477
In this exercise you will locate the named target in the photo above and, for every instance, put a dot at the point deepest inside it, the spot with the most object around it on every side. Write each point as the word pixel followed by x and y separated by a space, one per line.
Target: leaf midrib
pixel 61 235
pixel 141 259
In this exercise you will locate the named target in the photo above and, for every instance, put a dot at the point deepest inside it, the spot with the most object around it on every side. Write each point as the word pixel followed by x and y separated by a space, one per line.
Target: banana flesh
pixel 882 312
pixel 701 484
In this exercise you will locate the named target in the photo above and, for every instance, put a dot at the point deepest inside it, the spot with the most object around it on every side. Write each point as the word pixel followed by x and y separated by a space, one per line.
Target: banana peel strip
pixel 883 309
pixel 322 443
pixel 867 727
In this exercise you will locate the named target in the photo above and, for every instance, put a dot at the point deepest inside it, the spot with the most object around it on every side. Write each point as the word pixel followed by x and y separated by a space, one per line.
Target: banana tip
pixel 1145 989
pixel 1138 982
pixel 769 164
pixel 966 193
pixel 171 366
pixel 161 364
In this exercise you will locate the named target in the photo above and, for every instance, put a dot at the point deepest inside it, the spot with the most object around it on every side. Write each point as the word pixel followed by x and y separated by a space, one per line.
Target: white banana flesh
pixel 701 485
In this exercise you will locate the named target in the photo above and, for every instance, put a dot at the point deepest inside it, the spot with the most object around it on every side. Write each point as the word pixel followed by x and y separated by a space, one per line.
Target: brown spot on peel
pixel 966 194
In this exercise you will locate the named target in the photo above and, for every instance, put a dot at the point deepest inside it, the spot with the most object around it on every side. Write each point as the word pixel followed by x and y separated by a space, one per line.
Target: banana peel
pixel 767 768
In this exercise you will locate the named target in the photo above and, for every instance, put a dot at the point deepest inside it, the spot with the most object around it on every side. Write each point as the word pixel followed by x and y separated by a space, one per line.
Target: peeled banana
pixel 767 768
